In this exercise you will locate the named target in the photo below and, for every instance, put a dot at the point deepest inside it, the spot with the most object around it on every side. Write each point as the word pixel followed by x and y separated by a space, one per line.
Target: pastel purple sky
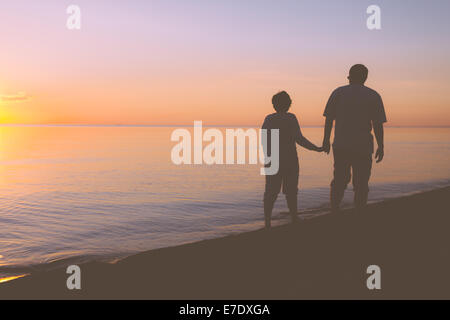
pixel 173 62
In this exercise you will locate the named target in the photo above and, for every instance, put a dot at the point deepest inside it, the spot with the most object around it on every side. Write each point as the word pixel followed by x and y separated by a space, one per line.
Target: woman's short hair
pixel 281 101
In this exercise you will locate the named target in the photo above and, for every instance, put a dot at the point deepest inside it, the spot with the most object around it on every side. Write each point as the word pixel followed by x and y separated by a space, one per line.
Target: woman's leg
pixel 273 187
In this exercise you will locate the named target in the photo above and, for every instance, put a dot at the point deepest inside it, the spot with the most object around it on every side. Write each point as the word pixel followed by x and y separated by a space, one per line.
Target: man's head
pixel 358 74
pixel 281 101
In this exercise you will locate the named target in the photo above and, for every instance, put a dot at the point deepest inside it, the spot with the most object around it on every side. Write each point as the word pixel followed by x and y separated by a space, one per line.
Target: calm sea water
pixel 107 192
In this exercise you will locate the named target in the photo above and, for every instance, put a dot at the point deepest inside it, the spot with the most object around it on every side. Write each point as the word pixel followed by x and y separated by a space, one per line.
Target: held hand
pixel 379 155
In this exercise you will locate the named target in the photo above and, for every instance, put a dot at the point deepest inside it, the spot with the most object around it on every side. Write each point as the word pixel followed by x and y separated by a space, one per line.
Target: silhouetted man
pixel 287 176
pixel 355 109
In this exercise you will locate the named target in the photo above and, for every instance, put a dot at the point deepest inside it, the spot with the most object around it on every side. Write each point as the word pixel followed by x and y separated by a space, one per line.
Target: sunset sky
pixel 172 62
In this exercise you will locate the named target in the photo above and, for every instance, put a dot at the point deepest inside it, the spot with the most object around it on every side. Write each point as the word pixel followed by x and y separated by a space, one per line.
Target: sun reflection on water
pixel 6 279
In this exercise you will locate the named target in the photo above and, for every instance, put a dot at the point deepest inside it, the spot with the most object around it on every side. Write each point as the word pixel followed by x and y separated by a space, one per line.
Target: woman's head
pixel 281 101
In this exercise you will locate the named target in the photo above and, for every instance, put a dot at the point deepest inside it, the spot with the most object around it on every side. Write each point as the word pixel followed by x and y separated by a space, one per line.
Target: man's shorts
pixel 351 165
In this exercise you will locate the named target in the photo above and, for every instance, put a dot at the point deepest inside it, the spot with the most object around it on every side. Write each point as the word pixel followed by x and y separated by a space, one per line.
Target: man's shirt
pixel 354 108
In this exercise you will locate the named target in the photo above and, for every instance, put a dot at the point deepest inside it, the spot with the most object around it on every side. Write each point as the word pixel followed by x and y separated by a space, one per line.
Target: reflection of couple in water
pixel 355 109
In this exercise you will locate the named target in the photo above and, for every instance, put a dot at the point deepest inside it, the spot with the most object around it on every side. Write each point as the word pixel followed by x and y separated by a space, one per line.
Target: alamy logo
pixel 235 142
pixel 374 280
pixel 74 280
pixel 74 20
pixel 374 20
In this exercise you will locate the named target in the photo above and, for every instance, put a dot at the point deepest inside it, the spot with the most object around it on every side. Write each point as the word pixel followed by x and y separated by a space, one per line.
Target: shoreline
pixel 325 257
pixel 279 218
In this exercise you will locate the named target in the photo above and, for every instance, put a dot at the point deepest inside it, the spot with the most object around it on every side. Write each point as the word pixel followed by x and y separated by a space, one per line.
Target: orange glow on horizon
pixel 182 63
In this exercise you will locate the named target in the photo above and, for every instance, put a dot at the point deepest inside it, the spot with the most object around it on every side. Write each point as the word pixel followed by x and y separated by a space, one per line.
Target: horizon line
pixel 181 125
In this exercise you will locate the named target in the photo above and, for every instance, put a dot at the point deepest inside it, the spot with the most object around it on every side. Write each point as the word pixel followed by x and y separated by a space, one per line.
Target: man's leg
pixel 292 205
pixel 341 177
pixel 273 187
pixel 361 167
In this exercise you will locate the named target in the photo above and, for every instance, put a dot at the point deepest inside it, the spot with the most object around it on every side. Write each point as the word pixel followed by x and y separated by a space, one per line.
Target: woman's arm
pixel 302 140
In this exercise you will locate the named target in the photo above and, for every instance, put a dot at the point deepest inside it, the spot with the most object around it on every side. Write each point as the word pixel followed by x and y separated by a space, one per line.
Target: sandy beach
pixel 320 258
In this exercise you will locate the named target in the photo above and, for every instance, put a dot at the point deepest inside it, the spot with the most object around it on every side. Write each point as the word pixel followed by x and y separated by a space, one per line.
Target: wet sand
pixel 322 258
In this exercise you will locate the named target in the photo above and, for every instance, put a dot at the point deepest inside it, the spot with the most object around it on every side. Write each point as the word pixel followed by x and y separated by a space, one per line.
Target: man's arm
pixel 329 114
pixel 327 134
pixel 378 118
pixel 379 136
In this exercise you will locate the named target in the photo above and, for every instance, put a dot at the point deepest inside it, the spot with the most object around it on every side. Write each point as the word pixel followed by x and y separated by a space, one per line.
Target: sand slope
pixel 322 258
